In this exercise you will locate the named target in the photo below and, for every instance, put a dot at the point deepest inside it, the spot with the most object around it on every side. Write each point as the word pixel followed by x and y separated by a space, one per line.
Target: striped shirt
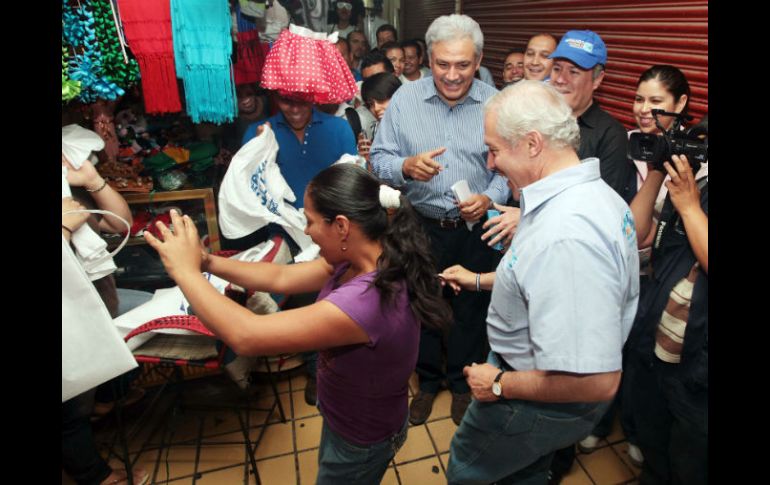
pixel 418 120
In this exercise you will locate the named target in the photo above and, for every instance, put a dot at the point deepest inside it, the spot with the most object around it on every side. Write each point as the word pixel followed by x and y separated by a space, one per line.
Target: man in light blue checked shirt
pixel 431 136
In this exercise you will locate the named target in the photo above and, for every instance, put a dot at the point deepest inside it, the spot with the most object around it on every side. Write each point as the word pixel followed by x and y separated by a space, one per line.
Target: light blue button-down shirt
pixel 566 291
pixel 418 120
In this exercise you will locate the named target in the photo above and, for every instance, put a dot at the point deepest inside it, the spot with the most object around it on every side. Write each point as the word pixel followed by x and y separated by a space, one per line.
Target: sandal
pixel 140 475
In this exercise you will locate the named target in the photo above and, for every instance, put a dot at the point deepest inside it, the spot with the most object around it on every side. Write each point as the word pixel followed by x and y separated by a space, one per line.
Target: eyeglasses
pixel 345 5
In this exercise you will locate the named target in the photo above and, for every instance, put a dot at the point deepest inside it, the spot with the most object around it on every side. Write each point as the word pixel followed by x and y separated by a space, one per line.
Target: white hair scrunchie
pixel 389 197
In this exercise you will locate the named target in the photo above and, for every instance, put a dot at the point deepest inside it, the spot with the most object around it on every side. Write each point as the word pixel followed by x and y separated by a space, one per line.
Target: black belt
pixel 503 364
pixel 445 223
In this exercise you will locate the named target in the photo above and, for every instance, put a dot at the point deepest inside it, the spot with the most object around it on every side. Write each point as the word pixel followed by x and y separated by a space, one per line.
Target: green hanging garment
pixel 203 46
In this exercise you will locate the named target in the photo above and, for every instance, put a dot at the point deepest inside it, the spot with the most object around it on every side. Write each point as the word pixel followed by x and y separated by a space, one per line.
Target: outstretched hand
pixel 458 278
pixel 180 250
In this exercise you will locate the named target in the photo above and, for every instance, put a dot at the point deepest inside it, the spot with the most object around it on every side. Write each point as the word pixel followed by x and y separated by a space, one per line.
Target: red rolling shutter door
pixel 417 15
pixel 638 35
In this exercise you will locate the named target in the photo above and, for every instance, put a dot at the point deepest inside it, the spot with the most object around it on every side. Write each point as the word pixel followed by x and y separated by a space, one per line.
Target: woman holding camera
pixel 662 87
pixel 666 367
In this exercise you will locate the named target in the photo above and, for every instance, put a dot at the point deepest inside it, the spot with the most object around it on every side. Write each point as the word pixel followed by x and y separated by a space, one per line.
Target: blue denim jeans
pixel 341 462
pixel 512 441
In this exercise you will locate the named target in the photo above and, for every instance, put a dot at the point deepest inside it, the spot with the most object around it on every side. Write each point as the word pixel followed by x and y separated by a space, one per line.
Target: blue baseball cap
pixel 583 47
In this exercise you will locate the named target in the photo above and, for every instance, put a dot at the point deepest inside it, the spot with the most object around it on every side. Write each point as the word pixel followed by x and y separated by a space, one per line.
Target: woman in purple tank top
pixel 377 284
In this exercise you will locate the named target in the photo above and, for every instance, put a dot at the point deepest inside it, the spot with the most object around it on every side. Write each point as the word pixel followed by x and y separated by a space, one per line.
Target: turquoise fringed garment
pixel 202 48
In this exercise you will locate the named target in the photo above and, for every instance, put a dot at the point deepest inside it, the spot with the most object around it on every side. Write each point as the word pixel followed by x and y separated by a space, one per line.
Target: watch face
pixel 497 389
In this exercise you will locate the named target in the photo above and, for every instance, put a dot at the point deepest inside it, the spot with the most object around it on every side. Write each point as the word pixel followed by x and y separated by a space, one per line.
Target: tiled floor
pixel 288 451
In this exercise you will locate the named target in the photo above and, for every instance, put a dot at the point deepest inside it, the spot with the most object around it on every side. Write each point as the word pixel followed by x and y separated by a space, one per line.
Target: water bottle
pixel 490 214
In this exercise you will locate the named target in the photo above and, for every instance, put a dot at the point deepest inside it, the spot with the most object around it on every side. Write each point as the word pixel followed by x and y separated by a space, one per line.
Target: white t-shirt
pixel 331 28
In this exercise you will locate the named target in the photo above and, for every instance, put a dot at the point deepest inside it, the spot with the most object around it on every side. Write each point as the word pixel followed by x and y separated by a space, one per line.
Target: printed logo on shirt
pixel 629 230
pixel 512 258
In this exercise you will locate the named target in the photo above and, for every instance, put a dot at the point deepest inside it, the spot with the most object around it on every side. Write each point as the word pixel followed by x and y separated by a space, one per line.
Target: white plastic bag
pixel 92 350
pixel 253 191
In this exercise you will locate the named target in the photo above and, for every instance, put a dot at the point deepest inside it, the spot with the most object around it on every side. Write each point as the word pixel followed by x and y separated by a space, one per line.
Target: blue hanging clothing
pixel 202 48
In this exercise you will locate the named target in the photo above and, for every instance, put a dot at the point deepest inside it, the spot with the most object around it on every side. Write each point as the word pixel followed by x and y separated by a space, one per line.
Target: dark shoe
pixel 310 391
pixel 421 406
pixel 460 403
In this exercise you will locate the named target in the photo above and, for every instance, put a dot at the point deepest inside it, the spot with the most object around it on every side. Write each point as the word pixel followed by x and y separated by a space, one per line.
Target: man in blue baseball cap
pixel 578 71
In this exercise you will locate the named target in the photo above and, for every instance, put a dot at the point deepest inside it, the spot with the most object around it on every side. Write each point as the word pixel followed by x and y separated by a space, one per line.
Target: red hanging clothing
pixel 147 26
pixel 249 58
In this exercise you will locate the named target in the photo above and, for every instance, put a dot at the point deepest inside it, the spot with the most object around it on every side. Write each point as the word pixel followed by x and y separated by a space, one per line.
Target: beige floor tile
pixel 308 466
pixel 282 383
pixel 442 432
pixel 278 471
pixel 389 478
pixel 298 383
pixel 266 401
pixel 444 460
pixel 622 450
pixel 576 476
pixel 179 463
pixel 441 405
pixel 230 475
pixel 423 472
pixel 605 467
pixel 301 408
pixel 417 445
pixel 308 432
pixel 276 440
pixel 216 423
pixel 226 454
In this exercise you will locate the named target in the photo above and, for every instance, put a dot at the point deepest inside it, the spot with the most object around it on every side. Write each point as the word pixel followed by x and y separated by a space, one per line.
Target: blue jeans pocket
pixel 563 425
pixel 502 417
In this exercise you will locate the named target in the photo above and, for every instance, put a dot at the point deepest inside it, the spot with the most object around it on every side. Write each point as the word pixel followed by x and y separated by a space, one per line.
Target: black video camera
pixel 656 149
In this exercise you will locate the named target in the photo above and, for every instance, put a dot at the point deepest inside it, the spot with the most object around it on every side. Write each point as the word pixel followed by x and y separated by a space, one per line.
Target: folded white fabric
pixel 90 248
pixel 77 143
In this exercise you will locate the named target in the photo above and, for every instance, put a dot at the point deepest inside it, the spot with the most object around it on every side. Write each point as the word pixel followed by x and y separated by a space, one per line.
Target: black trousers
pixel 467 337
pixel 672 423
pixel 79 455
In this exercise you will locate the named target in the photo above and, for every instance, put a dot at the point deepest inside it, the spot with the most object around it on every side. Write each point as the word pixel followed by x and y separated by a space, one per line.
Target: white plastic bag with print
pixel 253 191
pixel 92 350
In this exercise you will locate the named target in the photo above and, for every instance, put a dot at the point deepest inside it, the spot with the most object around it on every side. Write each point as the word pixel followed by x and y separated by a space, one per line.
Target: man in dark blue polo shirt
pixel 308 141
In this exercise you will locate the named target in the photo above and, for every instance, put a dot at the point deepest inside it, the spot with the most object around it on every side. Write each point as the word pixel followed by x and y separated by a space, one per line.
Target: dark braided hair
pixel 349 190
